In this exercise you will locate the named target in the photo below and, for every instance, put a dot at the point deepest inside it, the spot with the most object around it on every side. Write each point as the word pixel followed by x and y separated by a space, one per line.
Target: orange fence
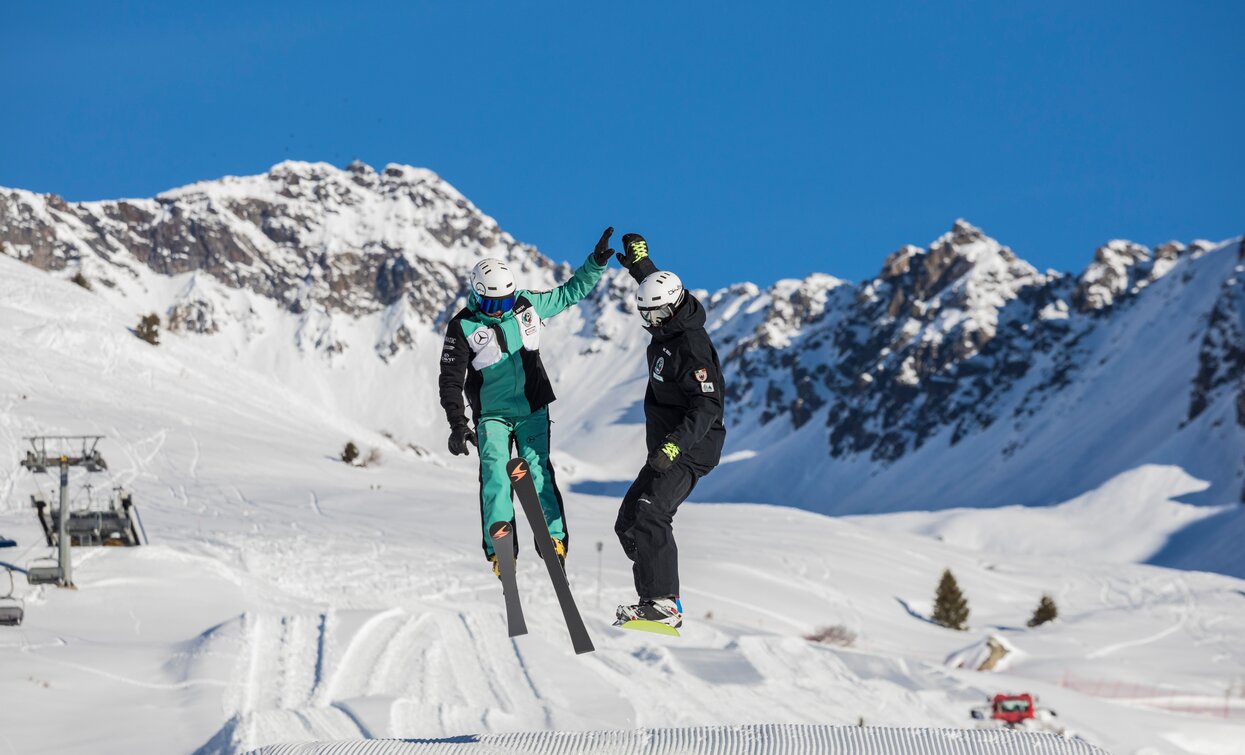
pixel 1228 704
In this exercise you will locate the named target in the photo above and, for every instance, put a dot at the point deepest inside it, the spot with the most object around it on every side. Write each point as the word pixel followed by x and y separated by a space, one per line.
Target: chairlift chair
pixel 45 575
pixel 94 526
pixel 11 609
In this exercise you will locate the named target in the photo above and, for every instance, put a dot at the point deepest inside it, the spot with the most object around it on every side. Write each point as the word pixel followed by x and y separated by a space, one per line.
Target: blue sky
pixel 747 142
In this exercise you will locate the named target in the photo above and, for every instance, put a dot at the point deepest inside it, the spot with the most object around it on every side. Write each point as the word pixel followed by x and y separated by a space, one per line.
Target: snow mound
pixel 718 740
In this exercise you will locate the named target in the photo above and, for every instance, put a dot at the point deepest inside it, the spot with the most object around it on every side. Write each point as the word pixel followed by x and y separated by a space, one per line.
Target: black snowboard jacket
pixel 684 403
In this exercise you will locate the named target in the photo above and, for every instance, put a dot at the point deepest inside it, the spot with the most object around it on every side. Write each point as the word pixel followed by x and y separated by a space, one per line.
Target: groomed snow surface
pixel 719 740
pixel 287 597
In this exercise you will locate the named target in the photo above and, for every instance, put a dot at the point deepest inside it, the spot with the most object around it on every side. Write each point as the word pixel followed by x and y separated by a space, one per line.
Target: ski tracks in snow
pixel 427 670
pixel 1144 594
pixel 283 670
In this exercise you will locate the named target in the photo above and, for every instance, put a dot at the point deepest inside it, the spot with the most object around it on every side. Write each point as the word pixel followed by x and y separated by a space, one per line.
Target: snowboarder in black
pixel 683 410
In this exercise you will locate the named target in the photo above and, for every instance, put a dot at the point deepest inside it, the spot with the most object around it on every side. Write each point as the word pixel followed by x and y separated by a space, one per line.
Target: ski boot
pixel 668 611
pixel 559 550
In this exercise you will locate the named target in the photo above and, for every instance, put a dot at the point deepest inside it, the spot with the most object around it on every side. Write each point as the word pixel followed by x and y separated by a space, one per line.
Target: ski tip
pixel 640 625
pixel 586 649
pixel 517 469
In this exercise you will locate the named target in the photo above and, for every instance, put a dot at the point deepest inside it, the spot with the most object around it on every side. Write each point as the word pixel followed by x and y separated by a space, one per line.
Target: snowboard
pixel 641 625
pixel 525 490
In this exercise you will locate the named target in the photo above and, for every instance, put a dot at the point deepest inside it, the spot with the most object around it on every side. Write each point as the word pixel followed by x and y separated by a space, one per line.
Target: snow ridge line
pixel 762 739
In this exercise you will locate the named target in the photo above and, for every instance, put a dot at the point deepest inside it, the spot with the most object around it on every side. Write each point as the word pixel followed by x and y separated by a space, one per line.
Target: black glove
pixel 602 253
pixel 634 257
pixel 460 436
pixel 663 458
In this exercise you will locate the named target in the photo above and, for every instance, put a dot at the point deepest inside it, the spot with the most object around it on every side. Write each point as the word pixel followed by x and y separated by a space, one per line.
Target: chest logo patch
pixel 482 336
pixel 658 365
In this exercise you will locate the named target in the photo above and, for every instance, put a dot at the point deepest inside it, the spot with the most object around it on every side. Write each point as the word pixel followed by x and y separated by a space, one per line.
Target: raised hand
pixel 602 253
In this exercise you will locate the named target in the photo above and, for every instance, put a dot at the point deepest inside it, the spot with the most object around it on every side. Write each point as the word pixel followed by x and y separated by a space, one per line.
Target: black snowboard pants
pixel 645 527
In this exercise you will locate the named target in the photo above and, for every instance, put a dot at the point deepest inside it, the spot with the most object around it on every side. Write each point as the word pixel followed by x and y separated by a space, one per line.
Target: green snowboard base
pixel 640 625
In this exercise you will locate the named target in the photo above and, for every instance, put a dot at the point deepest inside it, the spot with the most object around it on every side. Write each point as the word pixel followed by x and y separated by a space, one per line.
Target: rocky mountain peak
pixel 309 236
pixel 966 256
pixel 1121 268
pixel 793 305
pixel 962 279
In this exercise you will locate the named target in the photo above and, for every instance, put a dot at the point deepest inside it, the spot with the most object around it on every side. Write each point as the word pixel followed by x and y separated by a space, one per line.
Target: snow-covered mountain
pixel 959 376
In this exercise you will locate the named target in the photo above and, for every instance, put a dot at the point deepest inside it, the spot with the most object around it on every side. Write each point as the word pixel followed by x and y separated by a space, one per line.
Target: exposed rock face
pixel 1221 358
pixel 305 235
pixel 904 354
pixel 1115 268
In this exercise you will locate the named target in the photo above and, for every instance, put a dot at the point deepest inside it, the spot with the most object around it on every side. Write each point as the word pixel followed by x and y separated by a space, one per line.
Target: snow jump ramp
pixel 775 739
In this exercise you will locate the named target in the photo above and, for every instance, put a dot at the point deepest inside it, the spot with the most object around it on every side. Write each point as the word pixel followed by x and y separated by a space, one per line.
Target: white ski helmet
pixel 493 287
pixel 659 295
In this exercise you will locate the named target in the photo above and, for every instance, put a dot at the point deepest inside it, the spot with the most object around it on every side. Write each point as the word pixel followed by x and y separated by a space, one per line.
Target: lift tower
pixel 39 460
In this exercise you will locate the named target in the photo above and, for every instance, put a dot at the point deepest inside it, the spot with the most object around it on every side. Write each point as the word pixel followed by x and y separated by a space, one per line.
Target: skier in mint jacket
pixel 492 353
pixel 683 413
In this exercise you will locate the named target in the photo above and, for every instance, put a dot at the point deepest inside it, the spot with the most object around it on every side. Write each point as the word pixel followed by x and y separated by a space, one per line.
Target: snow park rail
pixel 764 739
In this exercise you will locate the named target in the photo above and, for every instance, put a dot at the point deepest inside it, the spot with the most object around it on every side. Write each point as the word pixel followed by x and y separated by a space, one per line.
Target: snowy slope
pixel 289 597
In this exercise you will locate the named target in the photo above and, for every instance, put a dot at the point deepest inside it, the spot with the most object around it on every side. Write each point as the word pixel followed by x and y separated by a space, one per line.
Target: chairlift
pixel 45 575
pixel 12 610
pixel 90 530
pixel 118 524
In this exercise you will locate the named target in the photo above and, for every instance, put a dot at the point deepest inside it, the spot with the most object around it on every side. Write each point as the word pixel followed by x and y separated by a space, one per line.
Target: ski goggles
pixel 655 316
pixel 496 305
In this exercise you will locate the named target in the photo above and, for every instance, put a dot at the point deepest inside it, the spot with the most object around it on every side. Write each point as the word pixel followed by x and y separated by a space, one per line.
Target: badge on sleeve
pixel 701 375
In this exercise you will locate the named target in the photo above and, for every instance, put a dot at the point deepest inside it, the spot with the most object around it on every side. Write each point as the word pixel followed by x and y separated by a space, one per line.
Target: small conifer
pixel 149 329
pixel 950 605
pixel 1045 611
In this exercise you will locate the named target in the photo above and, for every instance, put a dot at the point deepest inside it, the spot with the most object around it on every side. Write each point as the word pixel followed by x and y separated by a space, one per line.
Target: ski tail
pixel 502 535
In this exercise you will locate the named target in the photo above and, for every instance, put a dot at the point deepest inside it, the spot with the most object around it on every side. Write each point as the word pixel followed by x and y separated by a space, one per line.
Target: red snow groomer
pixel 1015 712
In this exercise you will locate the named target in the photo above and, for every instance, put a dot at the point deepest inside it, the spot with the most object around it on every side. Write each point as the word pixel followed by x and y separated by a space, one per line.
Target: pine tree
pixel 149 329
pixel 1045 611
pixel 350 452
pixel 950 605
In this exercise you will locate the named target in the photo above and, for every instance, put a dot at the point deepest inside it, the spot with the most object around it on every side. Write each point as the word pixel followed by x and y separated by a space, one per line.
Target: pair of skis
pixel 504 546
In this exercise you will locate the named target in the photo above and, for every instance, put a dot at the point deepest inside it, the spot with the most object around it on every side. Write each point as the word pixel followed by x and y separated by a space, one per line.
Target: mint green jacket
pixel 496 360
